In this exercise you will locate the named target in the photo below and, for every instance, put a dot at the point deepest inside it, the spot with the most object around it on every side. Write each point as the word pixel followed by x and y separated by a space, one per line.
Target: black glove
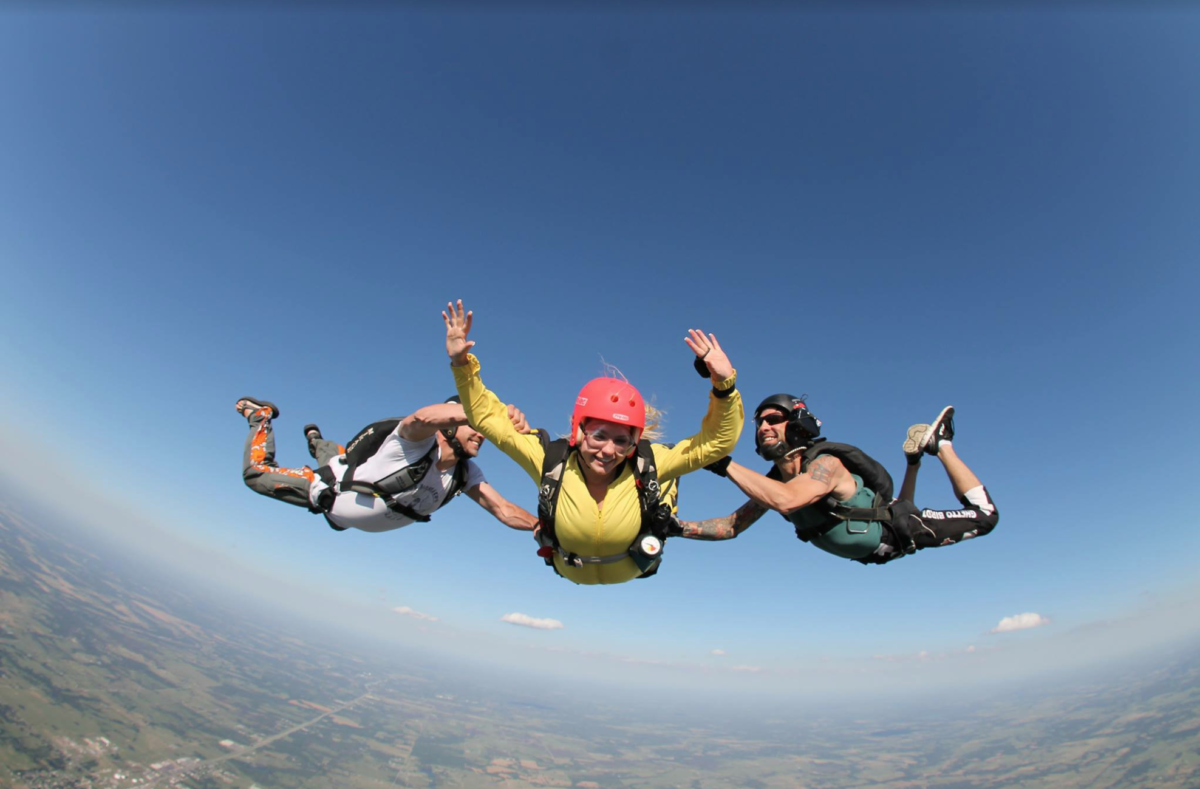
pixel 701 367
pixel 720 467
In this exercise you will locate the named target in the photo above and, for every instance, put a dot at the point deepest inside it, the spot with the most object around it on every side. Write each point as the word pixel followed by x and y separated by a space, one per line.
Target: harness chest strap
pixel 656 516
pixel 580 561
pixel 407 478
pixel 573 559
pixel 367 488
pixel 359 450
pixel 396 482
pixel 842 513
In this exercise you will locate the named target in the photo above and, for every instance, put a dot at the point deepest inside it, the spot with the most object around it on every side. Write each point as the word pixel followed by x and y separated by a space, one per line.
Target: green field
pixel 110 682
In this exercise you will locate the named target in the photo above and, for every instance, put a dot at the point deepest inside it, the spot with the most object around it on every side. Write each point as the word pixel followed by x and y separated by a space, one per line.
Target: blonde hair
pixel 655 417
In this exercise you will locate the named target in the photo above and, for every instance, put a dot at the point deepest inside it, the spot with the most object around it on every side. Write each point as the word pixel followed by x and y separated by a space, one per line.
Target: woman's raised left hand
pixel 458 326
pixel 708 350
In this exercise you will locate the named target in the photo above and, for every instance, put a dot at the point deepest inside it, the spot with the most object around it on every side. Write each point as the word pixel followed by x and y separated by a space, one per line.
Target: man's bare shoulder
pixel 825 469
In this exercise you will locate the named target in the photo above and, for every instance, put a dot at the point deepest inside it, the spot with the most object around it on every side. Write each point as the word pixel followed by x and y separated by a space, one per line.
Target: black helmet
pixel 802 426
pixel 784 402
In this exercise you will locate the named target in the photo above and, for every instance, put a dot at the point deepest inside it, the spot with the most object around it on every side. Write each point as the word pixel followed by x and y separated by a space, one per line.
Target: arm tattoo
pixel 711 529
pixel 821 470
pixel 725 528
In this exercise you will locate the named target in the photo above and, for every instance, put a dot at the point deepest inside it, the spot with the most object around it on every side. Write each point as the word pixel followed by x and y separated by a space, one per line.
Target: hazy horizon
pixel 1131 636
pixel 889 209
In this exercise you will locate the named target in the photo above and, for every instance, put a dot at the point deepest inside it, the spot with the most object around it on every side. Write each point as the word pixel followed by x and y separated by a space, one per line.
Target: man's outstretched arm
pixel 724 528
pixel 504 510
pixel 426 421
pixel 786 497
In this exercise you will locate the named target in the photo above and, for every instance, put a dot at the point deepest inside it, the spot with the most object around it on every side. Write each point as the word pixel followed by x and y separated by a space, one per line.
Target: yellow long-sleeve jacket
pixel 582 527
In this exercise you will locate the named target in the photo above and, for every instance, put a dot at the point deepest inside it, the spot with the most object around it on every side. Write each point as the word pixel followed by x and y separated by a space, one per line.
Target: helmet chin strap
pixel 775 451
pixel 455 445
pixel 782 450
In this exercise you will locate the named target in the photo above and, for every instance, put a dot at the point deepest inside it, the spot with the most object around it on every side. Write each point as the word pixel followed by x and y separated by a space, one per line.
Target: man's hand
pixel 458 326
pixel 518 419
pixel 708 350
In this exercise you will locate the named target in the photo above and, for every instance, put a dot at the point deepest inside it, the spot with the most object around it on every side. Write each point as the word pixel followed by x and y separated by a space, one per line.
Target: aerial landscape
pixel 111 682
pixel 858 340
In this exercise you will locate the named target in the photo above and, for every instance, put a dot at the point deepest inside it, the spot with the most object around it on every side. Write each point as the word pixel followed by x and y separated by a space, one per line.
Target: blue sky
pixel 890 211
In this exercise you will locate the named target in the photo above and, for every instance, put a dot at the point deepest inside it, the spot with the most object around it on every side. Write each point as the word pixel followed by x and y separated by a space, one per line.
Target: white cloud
pixel 403 609
pixel 748 669
pixel 902 657
pixel 528 621
pixel 971 650
pixel 1020 622
pixel 718 652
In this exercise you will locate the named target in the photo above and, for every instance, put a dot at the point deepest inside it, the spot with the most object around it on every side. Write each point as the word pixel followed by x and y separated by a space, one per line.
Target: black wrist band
pixel 723 393
pixel 720 467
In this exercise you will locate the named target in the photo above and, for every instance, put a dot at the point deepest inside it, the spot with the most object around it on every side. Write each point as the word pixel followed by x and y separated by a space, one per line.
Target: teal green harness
pixel 848 539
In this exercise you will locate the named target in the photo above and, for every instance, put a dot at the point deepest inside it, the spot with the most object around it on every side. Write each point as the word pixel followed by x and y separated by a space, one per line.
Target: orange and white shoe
pixel 254 406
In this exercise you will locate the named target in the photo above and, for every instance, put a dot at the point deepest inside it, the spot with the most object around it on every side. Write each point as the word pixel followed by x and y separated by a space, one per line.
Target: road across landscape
pixel 252 748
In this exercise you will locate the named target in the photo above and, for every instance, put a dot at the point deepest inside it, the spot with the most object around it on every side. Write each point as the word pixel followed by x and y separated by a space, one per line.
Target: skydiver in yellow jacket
pixel 598 513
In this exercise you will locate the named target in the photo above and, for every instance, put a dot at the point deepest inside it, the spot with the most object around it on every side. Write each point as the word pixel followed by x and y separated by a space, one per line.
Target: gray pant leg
pixel 325 450
pixel 261 474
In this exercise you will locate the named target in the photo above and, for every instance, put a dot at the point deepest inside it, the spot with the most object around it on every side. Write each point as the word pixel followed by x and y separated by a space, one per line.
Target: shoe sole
pixel 912 444
pixel 927 439
pixel 260 403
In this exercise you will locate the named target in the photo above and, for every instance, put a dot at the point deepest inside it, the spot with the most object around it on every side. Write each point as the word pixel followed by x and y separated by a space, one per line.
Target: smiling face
pixel 771 432
pixel 603 446
pixel 471 440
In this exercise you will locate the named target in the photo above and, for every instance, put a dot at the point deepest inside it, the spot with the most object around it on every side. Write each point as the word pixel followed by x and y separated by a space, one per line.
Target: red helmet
pixel 612 400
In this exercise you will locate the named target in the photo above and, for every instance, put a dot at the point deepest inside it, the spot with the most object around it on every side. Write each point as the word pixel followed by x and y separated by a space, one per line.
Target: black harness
pixel 874 476
pixel 361 449
pixel 657 515
pixel 893 514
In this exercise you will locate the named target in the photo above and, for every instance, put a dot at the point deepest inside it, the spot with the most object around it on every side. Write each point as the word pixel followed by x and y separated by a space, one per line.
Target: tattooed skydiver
pixel 839 498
